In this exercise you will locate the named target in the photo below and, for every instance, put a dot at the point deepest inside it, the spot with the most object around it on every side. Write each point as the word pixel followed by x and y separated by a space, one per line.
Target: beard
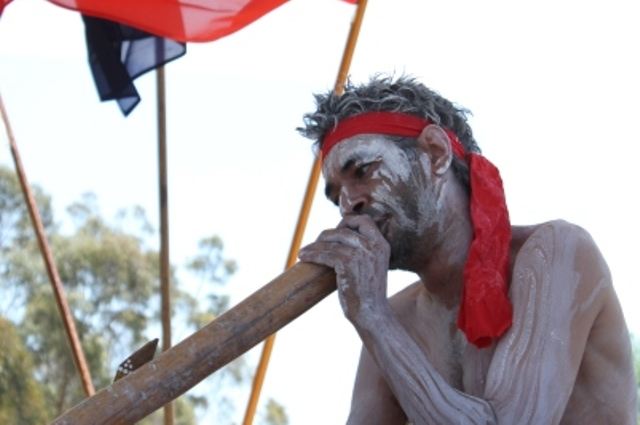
pixel 396 237
pixel 402 238
pixel 403 250
pixel 408 231
pixel 407 215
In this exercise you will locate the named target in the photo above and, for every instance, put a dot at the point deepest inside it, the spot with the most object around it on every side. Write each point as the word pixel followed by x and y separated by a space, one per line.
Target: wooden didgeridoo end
pixel 183 366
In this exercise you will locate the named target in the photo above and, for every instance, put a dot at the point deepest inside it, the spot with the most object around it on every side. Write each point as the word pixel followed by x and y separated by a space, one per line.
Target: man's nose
pixel 352 201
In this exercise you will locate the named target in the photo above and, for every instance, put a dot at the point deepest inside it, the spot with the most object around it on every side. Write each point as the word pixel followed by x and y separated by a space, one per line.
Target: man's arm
pixel 559 288
pixel 373 403
pixel 360 256
pixel 425 396
pixel 559 285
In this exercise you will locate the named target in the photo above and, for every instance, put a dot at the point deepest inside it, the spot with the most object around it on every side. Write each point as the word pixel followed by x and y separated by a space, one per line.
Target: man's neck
pixel 442 271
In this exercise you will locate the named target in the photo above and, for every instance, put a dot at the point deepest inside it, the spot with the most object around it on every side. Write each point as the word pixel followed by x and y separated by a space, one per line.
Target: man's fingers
pixel 328 254
pixel 362 224
pixel 344 236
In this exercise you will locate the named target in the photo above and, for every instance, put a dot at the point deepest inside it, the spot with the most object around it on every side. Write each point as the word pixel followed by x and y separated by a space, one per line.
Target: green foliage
pixel 15 224
pixel 275 414
pixel 111 279
pixel 21 397
pixel 209 262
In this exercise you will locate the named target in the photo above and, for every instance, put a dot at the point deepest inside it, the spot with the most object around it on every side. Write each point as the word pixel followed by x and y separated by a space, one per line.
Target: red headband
pixel 485 311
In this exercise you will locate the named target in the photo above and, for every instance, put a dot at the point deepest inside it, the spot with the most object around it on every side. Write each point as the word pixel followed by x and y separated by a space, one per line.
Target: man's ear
pixel 436 144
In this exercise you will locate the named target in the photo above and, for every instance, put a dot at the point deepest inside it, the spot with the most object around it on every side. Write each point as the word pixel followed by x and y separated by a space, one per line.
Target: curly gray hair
pixel 383 93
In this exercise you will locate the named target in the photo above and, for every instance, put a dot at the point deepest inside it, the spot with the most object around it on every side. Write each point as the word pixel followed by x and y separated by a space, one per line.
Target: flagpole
pixel 165 273
pixel 305 210
pixel 52 271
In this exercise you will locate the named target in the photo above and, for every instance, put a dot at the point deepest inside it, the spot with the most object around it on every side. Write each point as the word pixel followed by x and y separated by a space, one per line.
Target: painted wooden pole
pixel 52 271
pixel 183 366
pixel 305 210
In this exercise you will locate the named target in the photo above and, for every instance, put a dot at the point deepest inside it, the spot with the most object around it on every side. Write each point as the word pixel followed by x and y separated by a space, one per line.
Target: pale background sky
pixel 553 87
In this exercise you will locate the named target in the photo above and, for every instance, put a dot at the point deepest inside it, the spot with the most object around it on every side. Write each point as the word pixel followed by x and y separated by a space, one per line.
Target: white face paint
pixel 366 148
pixel 397 190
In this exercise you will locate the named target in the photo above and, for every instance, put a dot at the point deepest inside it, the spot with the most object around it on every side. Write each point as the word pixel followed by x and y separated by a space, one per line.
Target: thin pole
pixel 305 210
pixel 165 284
pixel 58 290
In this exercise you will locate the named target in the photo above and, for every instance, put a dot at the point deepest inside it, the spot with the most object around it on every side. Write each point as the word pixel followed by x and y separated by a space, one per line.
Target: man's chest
pixel 461 364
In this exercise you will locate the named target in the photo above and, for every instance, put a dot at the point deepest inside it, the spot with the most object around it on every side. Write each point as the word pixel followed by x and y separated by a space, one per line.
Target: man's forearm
pixel 424 395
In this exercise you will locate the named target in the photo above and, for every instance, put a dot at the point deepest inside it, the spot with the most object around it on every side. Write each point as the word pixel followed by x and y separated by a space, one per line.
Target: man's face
pixel 370 174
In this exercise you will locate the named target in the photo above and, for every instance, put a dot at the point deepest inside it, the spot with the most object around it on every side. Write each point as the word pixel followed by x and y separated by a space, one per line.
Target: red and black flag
pixel 125 39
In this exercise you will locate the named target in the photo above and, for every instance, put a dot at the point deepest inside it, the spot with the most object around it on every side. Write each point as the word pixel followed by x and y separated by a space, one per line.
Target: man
pixel 507 324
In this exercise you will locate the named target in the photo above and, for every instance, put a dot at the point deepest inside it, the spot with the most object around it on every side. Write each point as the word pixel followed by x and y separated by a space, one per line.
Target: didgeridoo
pixel 183 366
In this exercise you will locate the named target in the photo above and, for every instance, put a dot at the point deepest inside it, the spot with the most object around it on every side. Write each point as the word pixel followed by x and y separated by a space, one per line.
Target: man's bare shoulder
pixel 565 255
pixel 558 237
pixel 522 233
pixel 404 301
pixel 562 260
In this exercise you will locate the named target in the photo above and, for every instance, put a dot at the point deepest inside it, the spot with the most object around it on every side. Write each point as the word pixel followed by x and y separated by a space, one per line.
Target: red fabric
pixel 382 122
pixel 485 311
pixel 182 20
pixel 3 3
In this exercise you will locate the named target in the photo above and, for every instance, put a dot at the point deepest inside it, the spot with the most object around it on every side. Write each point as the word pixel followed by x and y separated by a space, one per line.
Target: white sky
pixel 553 87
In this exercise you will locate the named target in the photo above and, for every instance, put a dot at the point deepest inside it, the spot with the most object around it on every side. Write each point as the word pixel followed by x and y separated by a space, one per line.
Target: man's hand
pixel 359 254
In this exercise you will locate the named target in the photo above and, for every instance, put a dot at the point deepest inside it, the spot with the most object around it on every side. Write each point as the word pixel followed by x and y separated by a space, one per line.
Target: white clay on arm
pixel 373 403
pixel 560 284
pixel 425 397
pixel 535 364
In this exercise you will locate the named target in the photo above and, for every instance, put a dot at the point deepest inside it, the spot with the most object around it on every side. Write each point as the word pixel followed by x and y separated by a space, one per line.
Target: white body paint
pixel 367 148
pixel 565 359
pixel 395 171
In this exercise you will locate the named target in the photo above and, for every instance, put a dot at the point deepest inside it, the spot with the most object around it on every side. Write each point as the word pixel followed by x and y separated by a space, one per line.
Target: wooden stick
pixel 305 210
pixel 350 48
pixel 52 271
pixel 183 366
pixel 165 273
